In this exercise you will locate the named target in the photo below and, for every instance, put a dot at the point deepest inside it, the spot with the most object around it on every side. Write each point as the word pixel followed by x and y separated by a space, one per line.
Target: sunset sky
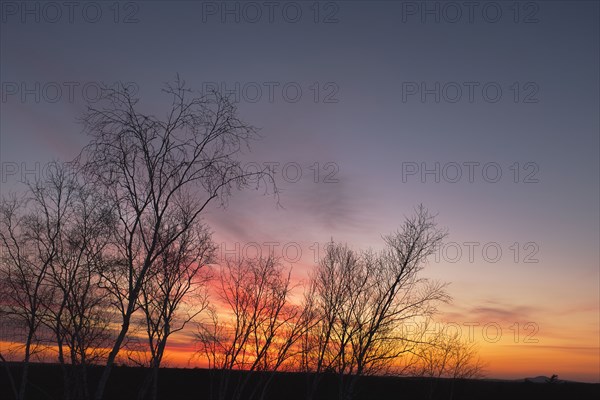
pixel 490 119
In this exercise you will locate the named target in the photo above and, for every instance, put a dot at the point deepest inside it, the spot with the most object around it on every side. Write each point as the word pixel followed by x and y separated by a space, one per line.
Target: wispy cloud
pixel 494 311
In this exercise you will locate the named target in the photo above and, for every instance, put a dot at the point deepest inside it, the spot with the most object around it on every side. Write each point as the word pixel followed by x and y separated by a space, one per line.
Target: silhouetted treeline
pixel 105 258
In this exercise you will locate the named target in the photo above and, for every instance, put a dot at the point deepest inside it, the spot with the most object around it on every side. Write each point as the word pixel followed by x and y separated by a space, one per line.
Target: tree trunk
pixel 23 387
pixel 111 359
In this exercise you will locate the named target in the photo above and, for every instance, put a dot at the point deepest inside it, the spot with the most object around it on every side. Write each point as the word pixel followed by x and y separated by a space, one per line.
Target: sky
pixel 487 113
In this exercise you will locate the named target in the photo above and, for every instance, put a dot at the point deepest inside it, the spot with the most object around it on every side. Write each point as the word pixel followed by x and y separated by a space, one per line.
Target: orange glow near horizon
pixel 503 359
pixel 510 346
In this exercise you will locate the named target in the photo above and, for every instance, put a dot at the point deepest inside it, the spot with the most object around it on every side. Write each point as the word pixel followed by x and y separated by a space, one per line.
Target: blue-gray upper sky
pixel 361 98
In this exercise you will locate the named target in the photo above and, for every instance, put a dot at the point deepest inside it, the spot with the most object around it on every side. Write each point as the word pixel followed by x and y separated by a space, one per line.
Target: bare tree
pixel 365 299
pixel 445 355
pixel 259 332
pixel 30 231
pixel 50 267
pixel 177 278
pixel 77 313
pixel 22 274
pixel 160 175
pixel 336 283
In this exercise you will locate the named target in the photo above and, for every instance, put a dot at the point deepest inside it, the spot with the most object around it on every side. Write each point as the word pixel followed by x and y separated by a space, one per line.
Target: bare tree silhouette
pixel 445 355
pixel 54 242
pixel 30 232
pixel 160 175
pixel 177 278
pixel 262 329
pixel 364 299
pixel 77 313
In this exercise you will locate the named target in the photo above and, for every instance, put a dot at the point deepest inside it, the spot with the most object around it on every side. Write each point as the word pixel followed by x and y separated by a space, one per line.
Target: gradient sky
pixel 365 61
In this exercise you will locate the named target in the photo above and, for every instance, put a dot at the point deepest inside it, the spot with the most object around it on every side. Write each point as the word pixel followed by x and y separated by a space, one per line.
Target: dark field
pixel 46 383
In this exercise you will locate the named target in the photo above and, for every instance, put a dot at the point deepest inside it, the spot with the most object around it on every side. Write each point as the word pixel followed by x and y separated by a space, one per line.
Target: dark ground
pixel 46 383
